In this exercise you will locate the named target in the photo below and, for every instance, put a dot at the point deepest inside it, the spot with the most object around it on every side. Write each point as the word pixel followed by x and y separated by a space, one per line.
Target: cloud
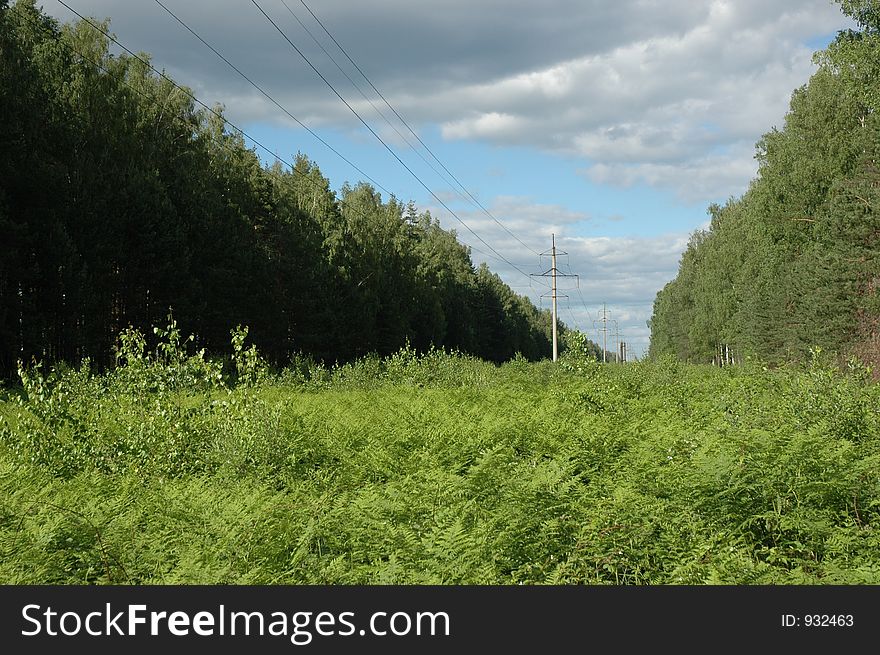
pixel 624 273
pixel 640 90
pixel 665 110
pixel 492 125
pixel 714 176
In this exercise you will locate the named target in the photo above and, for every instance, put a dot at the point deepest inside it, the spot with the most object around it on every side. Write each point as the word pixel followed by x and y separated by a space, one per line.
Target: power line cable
pixel 235 127
pixel 574 321
pixel 485 254
pixel 583 302
pixel 202 104
pixel 264 93
pixel 578 287
pixel 177 86
pixel 413 132
pixel 379 138
pixel 205 106
pixel 363 95
pixel 195 99
pixel 189 94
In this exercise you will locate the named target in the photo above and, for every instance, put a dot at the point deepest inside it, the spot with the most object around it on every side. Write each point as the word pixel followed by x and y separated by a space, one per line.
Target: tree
pixel 785 267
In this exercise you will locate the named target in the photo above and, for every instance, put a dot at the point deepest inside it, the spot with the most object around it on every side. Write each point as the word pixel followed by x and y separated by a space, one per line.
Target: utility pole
pixel 617 340
pixel 553 293
pixel 553 273
pixel 604 331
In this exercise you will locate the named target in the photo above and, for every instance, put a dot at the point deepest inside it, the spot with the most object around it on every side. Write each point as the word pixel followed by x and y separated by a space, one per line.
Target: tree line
pixel 120 198
pixel 793 264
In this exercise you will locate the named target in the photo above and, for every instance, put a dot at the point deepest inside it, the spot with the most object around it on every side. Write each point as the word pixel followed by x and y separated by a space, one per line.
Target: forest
pixel 122 198
pixel 793 264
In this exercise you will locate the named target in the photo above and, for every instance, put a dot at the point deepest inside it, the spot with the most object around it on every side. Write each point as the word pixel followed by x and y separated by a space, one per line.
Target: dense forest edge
pixel 793 265
pixel 121 199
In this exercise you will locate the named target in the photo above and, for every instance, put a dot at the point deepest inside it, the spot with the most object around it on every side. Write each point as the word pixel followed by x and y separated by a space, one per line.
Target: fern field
pixel 437 469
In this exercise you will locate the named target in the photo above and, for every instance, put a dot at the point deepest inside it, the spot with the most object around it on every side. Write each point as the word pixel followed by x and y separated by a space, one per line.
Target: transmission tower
pixel 604 330
pixel 553 273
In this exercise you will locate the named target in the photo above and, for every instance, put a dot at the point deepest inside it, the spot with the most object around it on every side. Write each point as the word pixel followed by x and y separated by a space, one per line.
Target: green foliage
pixel 438 468
pixel 169 368
pixel 792 264
pixel 580 355
pixel 407 366
pixel 194 221
pixel 250 367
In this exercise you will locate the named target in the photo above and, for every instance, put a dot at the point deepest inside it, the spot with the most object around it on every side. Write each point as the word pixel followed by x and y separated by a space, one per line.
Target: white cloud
pixel 659 109
pixel 642 89
pixel 490 125
pixel 714 176
pixel 625 273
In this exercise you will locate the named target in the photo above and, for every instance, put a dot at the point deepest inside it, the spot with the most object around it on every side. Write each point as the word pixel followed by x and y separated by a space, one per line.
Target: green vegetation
pixel 390 448
pixel 437 468
pixel 795 262
pixel 120 198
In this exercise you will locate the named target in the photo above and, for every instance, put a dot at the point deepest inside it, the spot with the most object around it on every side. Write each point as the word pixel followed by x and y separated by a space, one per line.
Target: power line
pixel 357 86
pixel 604 331
pixel 616 339
pixel 379 138
pixel 583 302
pixel 186 92
pixel 574 321
pixel 241 131
pixel 262 91
pixel 577 288
pixel 485 254
pixel 567 262
pixel 580 295
pixel 145 62
pixel 195 99
pixel 413 132
pixel 553 273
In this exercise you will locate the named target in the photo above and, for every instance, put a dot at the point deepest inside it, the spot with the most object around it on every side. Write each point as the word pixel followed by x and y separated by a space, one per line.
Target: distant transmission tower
pixel 553 273
pixel 604 331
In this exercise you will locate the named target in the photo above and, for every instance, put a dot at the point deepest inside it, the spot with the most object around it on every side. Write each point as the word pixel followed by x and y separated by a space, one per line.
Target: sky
pixel 611 125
